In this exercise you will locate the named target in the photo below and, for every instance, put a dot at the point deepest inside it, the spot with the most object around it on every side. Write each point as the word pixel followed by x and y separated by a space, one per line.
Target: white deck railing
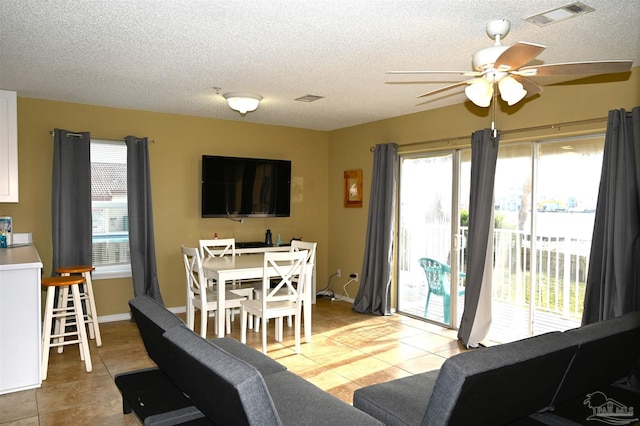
pixel 551 271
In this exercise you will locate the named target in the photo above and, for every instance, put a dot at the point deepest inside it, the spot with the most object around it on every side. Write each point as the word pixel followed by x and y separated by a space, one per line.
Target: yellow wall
pixel 319 158
pixel 175 161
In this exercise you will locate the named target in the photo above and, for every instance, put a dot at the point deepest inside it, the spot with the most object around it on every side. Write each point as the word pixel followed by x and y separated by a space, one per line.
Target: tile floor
pixel 348 351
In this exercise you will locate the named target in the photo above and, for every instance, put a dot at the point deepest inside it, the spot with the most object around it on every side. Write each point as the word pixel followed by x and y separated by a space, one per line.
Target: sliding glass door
pixel 545 197
pixel 428 262
pixel 511 309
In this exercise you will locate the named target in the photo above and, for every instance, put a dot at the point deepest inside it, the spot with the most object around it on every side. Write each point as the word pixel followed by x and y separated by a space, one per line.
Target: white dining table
pixel 226 269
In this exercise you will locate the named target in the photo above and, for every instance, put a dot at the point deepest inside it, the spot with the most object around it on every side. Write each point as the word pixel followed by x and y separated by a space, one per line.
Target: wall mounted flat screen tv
pixel 245 187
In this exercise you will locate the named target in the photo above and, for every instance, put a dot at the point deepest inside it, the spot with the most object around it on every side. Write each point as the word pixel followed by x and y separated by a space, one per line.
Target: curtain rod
pixel 51 132
pixel 506 132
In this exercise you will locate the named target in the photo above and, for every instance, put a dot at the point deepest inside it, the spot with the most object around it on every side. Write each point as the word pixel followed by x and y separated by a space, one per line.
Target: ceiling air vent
pixel 559 14
pixel 309 98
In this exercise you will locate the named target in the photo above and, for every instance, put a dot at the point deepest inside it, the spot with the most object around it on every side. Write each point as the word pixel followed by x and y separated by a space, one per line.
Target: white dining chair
pixel 296 245
pixel 204 297
pixel 280 301
pixel 219 247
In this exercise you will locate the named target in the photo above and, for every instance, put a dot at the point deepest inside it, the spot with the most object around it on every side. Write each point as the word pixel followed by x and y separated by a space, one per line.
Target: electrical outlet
pixel 338 273
pixel 354 276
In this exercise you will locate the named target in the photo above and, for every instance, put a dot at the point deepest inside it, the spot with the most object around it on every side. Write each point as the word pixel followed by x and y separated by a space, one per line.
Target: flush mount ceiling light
pixel 243 102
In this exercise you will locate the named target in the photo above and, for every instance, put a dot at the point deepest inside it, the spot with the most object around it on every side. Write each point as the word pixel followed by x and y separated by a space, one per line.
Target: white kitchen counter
pixel 21 257
pixel 20 319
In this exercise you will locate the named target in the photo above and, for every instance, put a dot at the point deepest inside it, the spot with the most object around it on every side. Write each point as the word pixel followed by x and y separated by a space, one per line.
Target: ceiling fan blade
pixel 577 68
pixel 517 55
pixel 442 89
pixel 530 86
pixel 465 73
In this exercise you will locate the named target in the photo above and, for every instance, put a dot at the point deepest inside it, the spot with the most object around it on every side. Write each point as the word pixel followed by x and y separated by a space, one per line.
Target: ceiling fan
pixel 504 67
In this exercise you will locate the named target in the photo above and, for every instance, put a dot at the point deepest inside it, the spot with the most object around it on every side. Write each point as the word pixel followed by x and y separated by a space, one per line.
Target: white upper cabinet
pixel 8 147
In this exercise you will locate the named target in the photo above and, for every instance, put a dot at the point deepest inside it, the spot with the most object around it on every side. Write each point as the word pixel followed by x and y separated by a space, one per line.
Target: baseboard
pixel 178 309
pixel 114 318
pixel 335 298
pixel 127 316
pixel 183 309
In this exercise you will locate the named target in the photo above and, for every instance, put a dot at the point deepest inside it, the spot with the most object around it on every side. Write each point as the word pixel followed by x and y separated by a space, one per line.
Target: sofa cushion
pixel 608 351
pixel 400 402
pixel 501 383
pixel 260 361
pixel 300 403
pixel 226 389
pixel 153 320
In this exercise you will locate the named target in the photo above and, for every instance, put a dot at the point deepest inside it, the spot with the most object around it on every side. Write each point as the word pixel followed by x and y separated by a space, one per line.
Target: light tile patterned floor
pixel 349 350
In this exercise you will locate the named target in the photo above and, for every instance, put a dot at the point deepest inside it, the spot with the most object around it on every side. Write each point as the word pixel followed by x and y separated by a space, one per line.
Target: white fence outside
pixel 551 271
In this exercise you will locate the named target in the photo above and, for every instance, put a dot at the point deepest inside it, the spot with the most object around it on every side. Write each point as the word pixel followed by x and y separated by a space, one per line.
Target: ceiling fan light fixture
pixel 243 102
pixel 480 92
pixel 507 66
pixel 511 90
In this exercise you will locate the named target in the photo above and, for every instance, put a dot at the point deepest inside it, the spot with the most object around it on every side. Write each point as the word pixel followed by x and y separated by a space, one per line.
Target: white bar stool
pixel 60 311
pixel 86 295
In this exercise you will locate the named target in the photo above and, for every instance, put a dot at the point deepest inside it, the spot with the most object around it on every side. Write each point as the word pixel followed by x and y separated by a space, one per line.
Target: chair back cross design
pixel 297 245
pixel 289 267
pixel 217 247
pixel 194 273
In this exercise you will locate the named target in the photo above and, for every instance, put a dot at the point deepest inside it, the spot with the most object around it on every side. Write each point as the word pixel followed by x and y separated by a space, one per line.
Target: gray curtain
pixel 613 280
pixel 476 317
pixel 374 293
pixel 71 199
pixel 141 237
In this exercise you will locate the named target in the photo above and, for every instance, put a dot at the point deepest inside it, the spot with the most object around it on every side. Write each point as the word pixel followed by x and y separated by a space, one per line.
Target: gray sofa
pixel 219 381
pixel 524 382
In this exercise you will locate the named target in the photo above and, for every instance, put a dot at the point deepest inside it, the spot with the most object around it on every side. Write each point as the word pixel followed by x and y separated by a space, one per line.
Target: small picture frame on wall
pixel 353 188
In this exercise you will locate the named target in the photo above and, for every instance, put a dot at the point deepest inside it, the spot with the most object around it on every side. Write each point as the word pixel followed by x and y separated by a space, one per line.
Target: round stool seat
pixel 62 281
pixel 76 269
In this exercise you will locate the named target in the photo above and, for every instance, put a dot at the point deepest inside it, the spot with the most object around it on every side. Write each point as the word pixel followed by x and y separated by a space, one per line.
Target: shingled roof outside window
pixel 109 181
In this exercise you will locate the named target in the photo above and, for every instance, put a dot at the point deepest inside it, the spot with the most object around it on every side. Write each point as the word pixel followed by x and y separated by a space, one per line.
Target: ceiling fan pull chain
pixel 494 131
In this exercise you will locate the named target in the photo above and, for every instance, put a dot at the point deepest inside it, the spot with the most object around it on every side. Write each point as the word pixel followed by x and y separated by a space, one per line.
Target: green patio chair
pixel 438 280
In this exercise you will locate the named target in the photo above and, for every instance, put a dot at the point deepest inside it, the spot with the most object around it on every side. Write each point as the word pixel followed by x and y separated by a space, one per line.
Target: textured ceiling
pixel 168 55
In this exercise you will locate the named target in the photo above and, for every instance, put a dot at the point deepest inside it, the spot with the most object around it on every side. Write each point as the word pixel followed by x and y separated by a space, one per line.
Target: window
pixel 110 220
pixel 545 197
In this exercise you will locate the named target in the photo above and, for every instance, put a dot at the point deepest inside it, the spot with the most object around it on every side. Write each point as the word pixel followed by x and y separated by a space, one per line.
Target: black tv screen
pixel 245 187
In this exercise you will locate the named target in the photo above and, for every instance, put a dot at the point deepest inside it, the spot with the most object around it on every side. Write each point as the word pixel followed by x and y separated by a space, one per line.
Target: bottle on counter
pixel 6 239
